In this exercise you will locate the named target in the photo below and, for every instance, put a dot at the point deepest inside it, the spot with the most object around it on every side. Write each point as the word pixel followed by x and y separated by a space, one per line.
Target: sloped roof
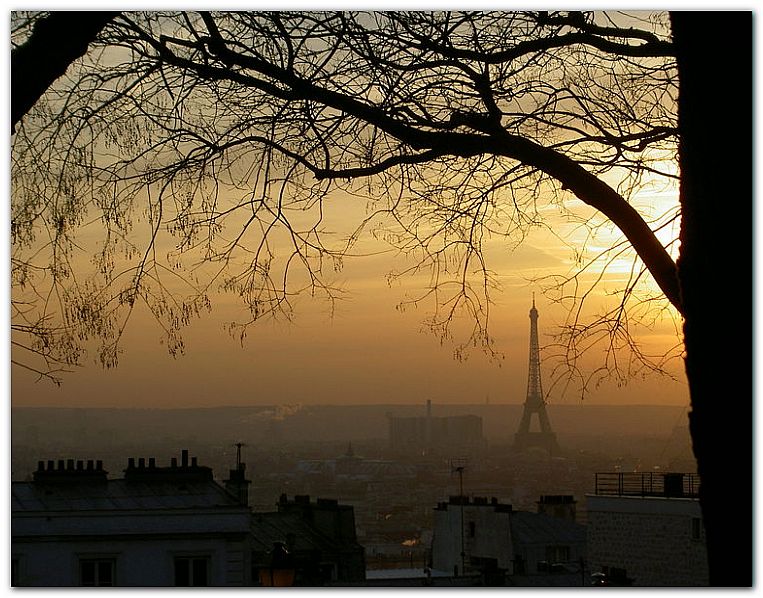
pixel 538 528
pixel 268 528
pixel 119 495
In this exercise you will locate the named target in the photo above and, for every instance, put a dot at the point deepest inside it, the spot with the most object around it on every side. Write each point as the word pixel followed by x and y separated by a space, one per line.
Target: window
pixel 557 554
pixel 696 528
pixel 191 571
pixel 96 572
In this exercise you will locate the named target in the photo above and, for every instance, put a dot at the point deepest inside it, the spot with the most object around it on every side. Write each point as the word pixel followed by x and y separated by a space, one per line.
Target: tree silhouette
pixel 716 162
pixel 229 129
pixel 69 33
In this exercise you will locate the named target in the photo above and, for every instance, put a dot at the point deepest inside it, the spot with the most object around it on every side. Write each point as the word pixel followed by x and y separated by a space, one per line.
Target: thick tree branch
pixel 586 186
pixel 57 41
pixel 587 35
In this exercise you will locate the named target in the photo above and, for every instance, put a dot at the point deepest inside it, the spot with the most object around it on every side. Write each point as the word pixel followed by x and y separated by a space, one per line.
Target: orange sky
pixel 368 352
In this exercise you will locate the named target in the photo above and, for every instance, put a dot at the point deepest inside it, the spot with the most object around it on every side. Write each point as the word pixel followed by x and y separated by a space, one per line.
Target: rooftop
pixel 69 486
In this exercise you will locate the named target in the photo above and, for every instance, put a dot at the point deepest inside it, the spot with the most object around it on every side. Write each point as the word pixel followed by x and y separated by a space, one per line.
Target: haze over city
pixel 378 298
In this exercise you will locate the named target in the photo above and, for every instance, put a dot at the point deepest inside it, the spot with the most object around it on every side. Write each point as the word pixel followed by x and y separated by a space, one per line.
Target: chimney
pixel 237 484
pixel 69 471
pixel 184 457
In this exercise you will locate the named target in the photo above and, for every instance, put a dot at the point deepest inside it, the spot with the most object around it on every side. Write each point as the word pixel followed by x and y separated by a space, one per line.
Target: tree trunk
pixel 714 51
pixel 56 41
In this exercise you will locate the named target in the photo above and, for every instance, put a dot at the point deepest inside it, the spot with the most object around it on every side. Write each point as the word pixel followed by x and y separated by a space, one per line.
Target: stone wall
pixel 657 541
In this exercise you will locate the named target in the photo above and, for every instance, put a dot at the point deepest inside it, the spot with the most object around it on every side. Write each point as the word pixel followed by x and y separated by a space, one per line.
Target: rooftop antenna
pixel 458 466
pixel 238 446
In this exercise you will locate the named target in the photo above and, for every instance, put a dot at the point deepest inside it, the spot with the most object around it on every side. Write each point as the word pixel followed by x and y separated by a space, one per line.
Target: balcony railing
pixel 671 485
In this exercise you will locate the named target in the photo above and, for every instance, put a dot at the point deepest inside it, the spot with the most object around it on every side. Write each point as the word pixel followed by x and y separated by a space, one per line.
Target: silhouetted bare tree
pixel 448 113
pixel 230 129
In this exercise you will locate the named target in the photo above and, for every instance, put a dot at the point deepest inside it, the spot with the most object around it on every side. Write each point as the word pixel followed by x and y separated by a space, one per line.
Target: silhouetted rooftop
pixel 537 528
pixel 268 528
pixel 119 495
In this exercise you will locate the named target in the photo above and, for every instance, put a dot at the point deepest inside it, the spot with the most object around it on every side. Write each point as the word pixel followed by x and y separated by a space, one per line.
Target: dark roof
pixel 268 528
pixel 538 528
pixel 119 495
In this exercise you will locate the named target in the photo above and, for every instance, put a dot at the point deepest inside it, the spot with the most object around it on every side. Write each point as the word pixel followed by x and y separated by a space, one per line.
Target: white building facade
pixel 485 531
pixel 481 536
pixel 159 526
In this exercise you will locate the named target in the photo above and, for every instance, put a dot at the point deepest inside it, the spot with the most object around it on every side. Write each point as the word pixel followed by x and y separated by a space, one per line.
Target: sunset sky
pixel 369 351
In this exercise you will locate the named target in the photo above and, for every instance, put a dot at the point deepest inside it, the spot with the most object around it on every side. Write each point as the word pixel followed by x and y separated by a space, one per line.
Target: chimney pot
pixel 193 462
pixel 131 463
pixel 80 465
pixel 51 465
pixel 60 464
pixel 141 463
pixel 184 457
pixel 90 465
pixel 40 465
pixel 70 464
pixel 152 462
pixel 174 462
pixel 99 465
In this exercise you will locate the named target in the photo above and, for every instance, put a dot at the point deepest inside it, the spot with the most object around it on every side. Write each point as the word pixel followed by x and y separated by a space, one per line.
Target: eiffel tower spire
pixel 534 403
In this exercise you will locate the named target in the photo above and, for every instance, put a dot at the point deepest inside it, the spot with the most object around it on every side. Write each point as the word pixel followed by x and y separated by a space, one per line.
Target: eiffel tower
pixel 535 404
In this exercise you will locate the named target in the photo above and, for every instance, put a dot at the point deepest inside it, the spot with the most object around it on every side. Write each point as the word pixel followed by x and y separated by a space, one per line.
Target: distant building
pixel 319 537
pixel 645 529
pixel 156 526
pixel 455 432
pixel 474 536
